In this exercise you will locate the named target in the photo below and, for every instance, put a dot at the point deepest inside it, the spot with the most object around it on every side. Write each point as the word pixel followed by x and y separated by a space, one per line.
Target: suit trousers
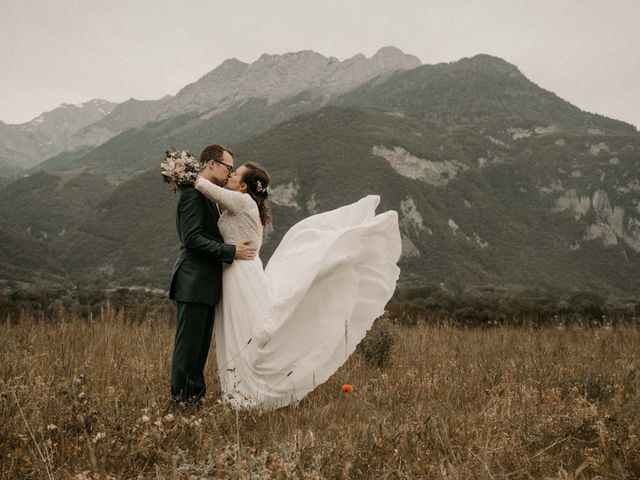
pixel 194 327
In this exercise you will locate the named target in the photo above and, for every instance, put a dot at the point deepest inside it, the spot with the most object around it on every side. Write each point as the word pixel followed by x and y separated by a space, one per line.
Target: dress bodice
pixel 240 219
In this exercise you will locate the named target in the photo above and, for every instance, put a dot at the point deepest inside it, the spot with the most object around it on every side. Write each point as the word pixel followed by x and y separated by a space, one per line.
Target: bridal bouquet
pixel 180 168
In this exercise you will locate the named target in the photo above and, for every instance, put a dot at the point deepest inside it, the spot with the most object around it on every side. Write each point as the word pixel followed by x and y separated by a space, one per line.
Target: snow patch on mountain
pixel 632 237
pixel 481 243
pixel 633 186
pixel 267 231
pixel 518 133
pixel 570 201
pixel 606 214
pixel 409 248
pixel 436 173
pixel 474 238
pixel 610 225
pixel 312 204
pixel 285 195
pixel 602 232
pixel 598 148
pixel 554 186
pixel 546 130
pixel 496 141
pixel 411 218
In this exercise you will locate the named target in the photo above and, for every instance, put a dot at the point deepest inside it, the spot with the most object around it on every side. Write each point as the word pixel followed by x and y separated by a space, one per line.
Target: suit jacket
pixel 197 272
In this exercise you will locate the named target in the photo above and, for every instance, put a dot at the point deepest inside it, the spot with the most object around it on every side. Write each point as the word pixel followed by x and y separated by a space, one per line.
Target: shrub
pixel 377 346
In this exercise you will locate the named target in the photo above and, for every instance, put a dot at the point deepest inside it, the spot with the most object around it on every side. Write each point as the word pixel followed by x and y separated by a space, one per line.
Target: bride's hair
pixel 257 180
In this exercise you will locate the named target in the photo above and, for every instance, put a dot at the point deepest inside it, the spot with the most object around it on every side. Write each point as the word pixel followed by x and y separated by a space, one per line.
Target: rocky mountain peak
pixel 272 77
pixel 292 57
pixel 232 63
pixel 26 144
pixel 226 71
pixel 356 58
pixel 277 76
pixel 76 114
pixel 394 54
pixel 487 62
pixel 305 62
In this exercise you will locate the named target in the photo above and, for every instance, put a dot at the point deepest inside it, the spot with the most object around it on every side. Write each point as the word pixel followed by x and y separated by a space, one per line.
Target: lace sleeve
pixel 227 199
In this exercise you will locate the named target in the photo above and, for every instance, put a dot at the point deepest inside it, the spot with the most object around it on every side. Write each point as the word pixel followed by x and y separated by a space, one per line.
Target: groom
pixel 196 282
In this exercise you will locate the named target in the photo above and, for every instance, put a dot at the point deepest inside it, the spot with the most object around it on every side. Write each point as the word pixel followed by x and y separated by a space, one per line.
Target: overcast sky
pixel 55 51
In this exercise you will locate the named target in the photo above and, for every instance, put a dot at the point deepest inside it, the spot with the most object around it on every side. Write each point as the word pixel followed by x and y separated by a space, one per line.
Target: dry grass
pixel 88 400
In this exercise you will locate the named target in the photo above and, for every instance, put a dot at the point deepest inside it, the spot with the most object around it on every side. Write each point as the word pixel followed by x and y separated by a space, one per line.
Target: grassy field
pixel 88 399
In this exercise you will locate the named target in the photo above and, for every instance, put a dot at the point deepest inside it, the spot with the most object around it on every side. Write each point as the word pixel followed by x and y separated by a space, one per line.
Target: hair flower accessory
pixel 260 188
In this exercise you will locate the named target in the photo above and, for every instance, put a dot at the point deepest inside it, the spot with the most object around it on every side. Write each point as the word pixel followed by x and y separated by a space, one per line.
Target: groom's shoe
pixel 196 401
pixel 180 404
pixel 176 405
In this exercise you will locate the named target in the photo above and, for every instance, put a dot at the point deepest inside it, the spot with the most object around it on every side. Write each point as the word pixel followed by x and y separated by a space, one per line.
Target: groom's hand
pixel 245 251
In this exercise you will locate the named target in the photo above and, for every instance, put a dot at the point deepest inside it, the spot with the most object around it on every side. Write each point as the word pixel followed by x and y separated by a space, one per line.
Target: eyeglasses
pixel 229 167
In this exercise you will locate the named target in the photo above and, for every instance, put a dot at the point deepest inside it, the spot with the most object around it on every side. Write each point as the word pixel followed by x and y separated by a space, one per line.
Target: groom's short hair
pixel 214 152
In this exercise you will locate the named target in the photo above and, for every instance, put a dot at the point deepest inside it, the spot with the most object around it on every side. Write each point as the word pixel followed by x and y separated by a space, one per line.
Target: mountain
pixel 137 149
pixel 522 216
pixel 39 213
pixel 496 181
pixel 276 77
pixel 551 209
pixel 272 78
pixel 482 90
pixel 26 260
pixel 47 206
pixel 27 144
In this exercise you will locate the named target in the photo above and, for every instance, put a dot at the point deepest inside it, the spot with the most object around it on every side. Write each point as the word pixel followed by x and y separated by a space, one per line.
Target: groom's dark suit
pixel 196 285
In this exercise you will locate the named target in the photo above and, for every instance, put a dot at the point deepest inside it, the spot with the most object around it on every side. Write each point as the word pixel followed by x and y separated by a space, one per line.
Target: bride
pixel 285 329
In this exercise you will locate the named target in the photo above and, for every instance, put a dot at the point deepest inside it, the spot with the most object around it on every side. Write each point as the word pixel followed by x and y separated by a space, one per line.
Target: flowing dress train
pixel 285 329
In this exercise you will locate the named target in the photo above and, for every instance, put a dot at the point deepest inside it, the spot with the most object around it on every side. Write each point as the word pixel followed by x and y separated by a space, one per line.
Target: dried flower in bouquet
pixel 180 168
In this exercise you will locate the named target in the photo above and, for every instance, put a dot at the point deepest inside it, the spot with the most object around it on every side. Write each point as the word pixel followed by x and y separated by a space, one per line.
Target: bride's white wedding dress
pixel 283 330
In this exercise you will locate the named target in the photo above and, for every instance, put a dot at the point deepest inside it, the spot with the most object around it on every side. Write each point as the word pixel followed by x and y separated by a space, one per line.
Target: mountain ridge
pixel 274 77
pixel 495 181
pixel 441 92
pixel 28 143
